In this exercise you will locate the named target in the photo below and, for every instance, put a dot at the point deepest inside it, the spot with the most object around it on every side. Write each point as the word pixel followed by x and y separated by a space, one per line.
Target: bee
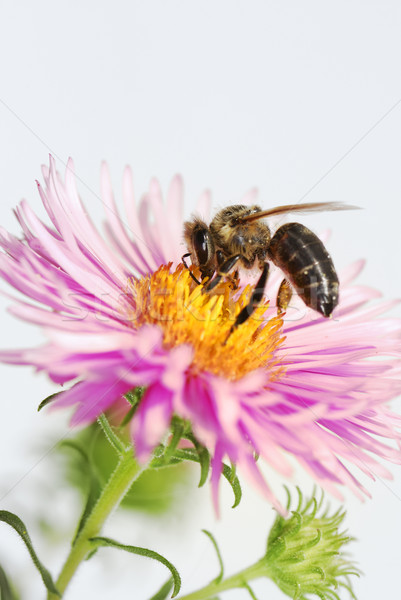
pixel 238 237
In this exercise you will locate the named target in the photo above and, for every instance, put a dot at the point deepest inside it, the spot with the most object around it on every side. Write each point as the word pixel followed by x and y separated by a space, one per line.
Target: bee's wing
pixel 308 207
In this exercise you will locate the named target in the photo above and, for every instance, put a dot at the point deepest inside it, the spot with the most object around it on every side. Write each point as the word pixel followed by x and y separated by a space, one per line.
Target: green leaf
pixel 5 588
pixel 135 396
pixel 128 416
pixel 111 436
pixel 159 462
pixel 203 456
pixel 204 461
pixel 177 433
pixel 233 480
pixel 187 454
pixel 103 541
pixel 197 455
pixel 93 483
pixel 250 590
pixel 90 554
pixel 212 539
pixel 164 590
pixel 16 523
pixel 48 400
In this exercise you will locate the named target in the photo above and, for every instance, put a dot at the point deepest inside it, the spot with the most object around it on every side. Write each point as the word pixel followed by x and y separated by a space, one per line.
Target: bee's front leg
pixel 184 262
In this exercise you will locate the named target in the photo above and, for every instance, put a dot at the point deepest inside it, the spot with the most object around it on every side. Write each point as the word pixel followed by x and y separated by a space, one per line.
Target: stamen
pixel 187 315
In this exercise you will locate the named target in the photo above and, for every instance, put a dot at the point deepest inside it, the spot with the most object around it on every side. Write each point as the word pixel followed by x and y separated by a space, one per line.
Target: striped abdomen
pixel 307 265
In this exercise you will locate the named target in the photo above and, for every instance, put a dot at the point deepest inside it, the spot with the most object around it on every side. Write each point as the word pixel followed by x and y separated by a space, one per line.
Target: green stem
pixel 238 580
pixel 125 473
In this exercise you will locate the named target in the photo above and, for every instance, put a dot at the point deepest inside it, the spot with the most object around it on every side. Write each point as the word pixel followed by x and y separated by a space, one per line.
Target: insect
pixel 238 237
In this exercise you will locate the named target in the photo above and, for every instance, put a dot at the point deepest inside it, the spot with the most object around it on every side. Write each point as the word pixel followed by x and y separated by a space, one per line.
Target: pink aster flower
pixel 123 313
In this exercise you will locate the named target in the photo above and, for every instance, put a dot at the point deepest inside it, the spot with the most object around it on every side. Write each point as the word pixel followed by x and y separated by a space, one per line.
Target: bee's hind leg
pixel 284 296
pixel 254 302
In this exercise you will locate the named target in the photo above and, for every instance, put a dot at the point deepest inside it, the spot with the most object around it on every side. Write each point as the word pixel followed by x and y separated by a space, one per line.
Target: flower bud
pixel 305 552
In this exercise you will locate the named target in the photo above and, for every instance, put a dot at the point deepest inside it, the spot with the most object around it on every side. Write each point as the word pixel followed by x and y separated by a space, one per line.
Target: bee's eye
pixel 201 245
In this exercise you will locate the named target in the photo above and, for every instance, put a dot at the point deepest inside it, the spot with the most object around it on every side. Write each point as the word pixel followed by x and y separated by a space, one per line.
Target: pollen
pixel 189 315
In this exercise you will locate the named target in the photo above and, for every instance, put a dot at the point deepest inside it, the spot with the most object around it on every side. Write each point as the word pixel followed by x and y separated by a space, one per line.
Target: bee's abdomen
pixel 306 263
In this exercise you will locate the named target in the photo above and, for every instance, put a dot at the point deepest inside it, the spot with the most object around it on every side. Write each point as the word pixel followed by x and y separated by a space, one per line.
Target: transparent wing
pixel 308 207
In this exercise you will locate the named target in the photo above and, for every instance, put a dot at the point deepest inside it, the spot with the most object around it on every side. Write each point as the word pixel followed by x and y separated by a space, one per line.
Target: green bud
pixel 305 552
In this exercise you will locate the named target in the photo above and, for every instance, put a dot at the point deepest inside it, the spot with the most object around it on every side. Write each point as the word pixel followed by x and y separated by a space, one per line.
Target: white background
pixel 302 99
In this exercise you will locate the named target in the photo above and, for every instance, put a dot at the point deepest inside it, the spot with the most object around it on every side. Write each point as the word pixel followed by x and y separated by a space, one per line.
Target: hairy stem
pixel 239 580
pixel 125 473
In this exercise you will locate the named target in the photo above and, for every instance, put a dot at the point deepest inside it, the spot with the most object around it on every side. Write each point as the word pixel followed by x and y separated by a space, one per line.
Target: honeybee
pixel 237 237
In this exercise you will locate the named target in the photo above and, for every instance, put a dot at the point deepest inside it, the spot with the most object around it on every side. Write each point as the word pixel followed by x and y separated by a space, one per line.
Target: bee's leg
pixel 224 268
pixel 234 279
pixel 183 257
pixel 254 302
pixel 284 296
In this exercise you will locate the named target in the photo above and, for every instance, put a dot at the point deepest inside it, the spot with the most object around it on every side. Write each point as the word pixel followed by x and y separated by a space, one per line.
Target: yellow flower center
pixel 188 315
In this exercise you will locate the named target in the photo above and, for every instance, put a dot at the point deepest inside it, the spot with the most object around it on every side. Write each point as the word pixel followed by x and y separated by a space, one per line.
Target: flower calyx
pixel 305 552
